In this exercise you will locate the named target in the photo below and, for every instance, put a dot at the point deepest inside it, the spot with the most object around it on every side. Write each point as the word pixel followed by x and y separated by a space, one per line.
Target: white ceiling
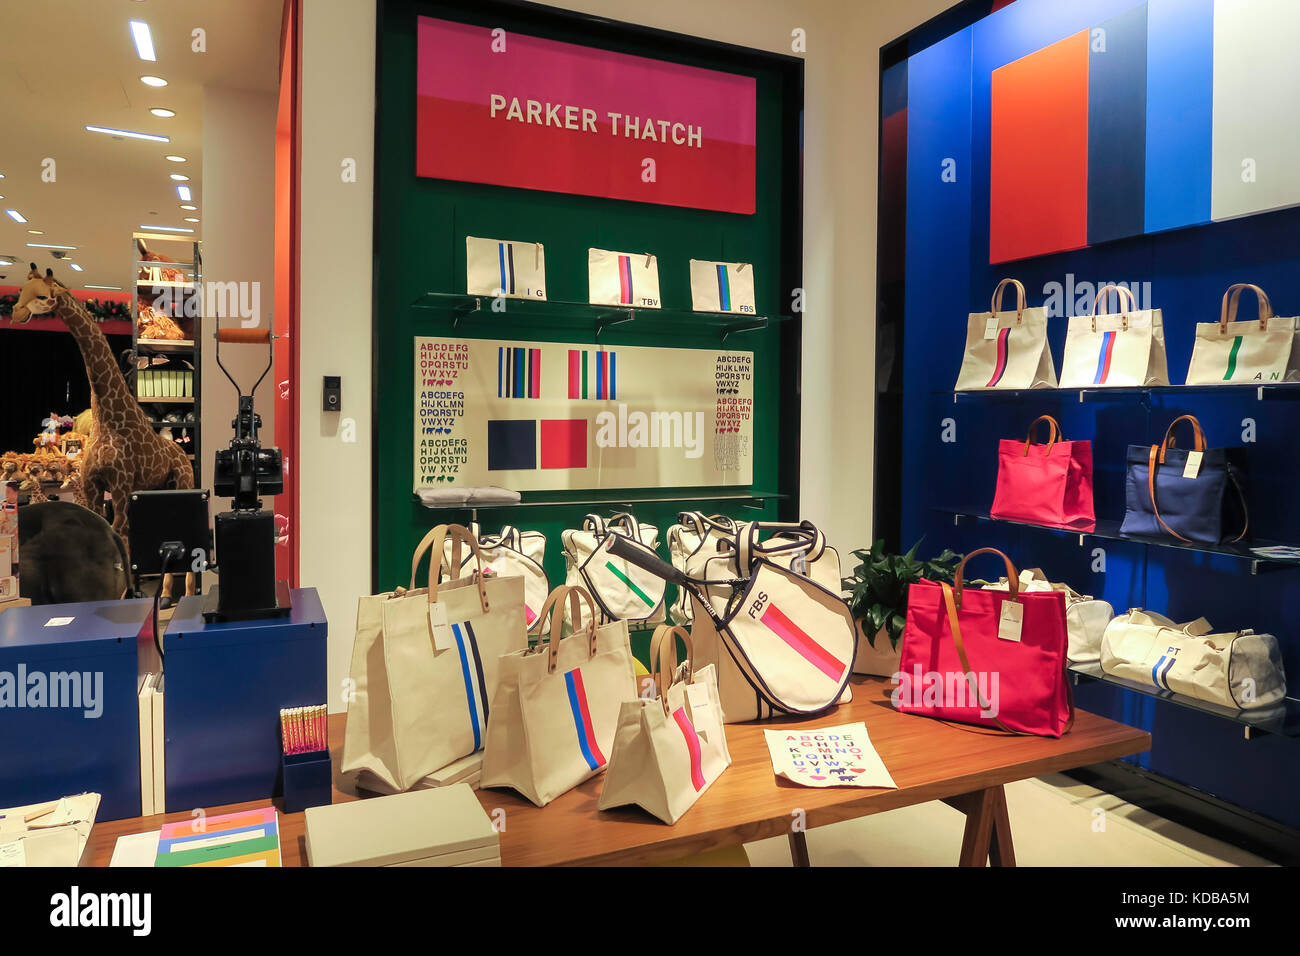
pixel 72 63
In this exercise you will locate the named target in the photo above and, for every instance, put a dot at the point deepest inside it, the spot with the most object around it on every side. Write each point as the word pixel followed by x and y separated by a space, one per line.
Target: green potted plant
pixel 878 598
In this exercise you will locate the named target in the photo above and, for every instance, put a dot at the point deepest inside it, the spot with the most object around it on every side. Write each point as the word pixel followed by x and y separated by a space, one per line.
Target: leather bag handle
pixel 434 542
pixel 1013 577
pixel 996 304
pixel 1228 312
pixel 1156 457
pixel 1054 433
pixel 1198 435
pixel 663 656
pixel 1102 300
pixel 554 606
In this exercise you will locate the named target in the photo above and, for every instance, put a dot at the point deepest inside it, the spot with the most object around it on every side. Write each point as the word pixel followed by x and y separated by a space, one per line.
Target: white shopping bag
pixel 516 270
pixel 1007 349
pixel 623 278
pixel 1123 350
pixel 1229 352
pixel 722 287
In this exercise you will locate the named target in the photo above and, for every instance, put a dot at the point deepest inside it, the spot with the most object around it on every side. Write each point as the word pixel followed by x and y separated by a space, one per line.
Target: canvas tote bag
pixel 1005 350
pixel 1086 617
pixel 516 270
pixel 425 667
pixel 1241 669
pixel 984 657
pixel 555 714
pixel 512 553
pixel 668 751
pixel 1124 350
pixel 722 287
pixel 1045 484
pixel 623 278
pixel 622 591
pixel 1229 352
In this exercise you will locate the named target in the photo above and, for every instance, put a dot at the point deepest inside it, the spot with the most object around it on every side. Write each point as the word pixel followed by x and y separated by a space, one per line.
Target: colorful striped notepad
pixel 251 838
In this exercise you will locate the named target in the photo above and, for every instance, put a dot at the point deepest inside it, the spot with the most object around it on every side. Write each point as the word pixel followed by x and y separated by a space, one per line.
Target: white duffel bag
pixel 622 591
pixel 1240 669
pixel 1085 616
pixel 513 553
pixel 691 541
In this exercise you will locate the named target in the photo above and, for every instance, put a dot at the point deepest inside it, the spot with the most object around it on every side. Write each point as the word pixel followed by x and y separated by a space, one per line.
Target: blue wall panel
pixel 1117 115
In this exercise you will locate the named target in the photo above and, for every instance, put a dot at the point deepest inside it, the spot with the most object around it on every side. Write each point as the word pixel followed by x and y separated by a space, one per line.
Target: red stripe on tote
pixel 693 745
pixel 810 650
pixel 588 729
pixel 1000 369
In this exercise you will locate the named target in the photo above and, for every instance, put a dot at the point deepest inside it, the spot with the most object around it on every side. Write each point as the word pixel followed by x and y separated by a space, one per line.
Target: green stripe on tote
pixel 584 374
pixel 628 581
pixel 1232 357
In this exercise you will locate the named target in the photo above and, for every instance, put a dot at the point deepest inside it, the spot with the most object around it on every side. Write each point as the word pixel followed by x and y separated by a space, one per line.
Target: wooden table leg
pixel 799 848
pixel 987 838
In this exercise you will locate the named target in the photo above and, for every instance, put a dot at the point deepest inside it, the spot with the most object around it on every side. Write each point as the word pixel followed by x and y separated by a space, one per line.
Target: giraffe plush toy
pixel 127 454
pixel 37 295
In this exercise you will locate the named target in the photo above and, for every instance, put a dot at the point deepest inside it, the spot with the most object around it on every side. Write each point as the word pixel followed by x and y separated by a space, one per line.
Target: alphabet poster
pixel 828 757
pixel 535 416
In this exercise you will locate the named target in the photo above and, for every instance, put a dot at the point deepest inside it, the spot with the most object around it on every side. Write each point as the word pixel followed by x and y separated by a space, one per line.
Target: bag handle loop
pixel 1102 300
pixel 1054 433
pixel 1013 576
pixel 434 542
pixel 1228 312
pixel 594 523
pixel 996 304
pixel 1198 439
pixel 1156 457
pixel 663 657
pixel 555 607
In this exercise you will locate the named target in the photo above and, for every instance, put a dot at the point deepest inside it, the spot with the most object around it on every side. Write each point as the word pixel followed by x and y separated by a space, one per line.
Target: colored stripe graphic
pixel 584 374
pixel 625 279
pixel 1000 368
pixel 471 666
pixel 575 373
pixel 600 376
pixel 810 650
pixel 529 614
pixel 612 390
pixel 628 581
pixel 501 369
pixel 1232 357
pixel 1103 360
pixel 582 720
pixel 519 373
pixel 510 259
pixel 1160 673
pixel 501 263
pixel 535 365
pixel 693 746
pixel 724 289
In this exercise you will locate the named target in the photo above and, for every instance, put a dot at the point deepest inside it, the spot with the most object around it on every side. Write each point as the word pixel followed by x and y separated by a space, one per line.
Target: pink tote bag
pixel 1045 484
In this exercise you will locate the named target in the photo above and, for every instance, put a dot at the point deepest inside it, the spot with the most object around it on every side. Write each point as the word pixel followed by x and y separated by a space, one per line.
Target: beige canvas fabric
pixel 609 284
pixel 512 553
pixel 621 590
pixel 516 270
pixel 1124 350
pixel 1007 349
pixel 722 287
pixel 1256 352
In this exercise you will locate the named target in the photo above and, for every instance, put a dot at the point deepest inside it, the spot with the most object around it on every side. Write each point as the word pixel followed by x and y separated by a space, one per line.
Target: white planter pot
pixel 881 660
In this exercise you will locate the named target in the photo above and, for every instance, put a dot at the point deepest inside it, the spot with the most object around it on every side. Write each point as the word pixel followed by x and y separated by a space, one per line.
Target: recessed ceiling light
pixel 189 207
pixel 184 192
pixel 15 215
pixel 74 267
pixel 175 159
pixel 145 225
pixel 180 178
pixel 36 232
pixel 128 133
pixel 115 288
pixel 153 81
pixel 5 262
pixel 143 40
pixel 190 219
pixel 46 245
pixel 164 113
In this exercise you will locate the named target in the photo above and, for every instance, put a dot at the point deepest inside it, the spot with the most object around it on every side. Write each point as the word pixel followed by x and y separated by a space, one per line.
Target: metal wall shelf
pixel 1281 392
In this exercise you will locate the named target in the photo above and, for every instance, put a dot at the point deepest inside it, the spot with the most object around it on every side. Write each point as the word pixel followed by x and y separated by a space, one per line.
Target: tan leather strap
pixel 1013 578
pixel 434 542
pixel 1102 301
pixel 1228 311
pixel 996 304
pixel 1054 433
pixel 1169 442
pixel 663 657
pixel 1151 489
pixel 554 607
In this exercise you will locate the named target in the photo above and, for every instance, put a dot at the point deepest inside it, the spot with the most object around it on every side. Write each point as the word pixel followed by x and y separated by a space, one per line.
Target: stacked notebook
pixel 153 775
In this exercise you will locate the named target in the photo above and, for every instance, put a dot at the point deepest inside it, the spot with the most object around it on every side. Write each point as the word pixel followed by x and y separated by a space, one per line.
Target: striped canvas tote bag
pixel 555 713
pixel 1007 349
pixel 623 278
pixel 425 666
pixel 1123 350
pixel 1257 352
pixel 722 287
pixel 516 270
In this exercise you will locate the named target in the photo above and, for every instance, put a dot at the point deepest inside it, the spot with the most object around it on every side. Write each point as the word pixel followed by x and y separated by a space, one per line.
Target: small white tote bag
pixel 1119 351
pixel 622 591
pixel 1005 349
pixel 1241 670
pixel 516 270
pixel 509 554
pixel 668 751
pixel 555 714
pixel 1257 352
pixel 722 287
pixel 425 667
pixel 623 278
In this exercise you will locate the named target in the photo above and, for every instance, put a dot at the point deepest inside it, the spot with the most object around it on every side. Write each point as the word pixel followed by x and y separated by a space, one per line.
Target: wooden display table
pixel 966 768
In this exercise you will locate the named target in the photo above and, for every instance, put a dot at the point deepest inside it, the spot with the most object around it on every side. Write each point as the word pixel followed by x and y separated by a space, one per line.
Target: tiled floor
pixel 1055 821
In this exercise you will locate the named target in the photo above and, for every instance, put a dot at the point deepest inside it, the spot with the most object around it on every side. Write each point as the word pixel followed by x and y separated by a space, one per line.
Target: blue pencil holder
pixel 308 780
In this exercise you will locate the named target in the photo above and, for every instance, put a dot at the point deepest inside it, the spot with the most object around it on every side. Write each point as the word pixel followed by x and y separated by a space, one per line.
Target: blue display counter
pixel 225 684
pixel 69 715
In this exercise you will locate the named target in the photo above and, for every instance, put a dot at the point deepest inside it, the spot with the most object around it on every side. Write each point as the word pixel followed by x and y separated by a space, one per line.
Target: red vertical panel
pixel 893 195
pixel 1038 190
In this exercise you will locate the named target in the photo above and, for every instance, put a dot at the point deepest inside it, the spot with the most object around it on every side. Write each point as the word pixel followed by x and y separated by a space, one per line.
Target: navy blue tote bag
pixel 1205 505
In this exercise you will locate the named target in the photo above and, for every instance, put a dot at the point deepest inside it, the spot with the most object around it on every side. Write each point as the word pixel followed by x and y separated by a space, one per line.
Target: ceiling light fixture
pixel 180 178
pixel 74 267
pixel 131 134
pixel 188 207
pixel 175 159
pixel 5 262
pixel 143 40
pixel 36 232
pixel 190 219
pixel 46 245
pixel 184 192
pixel 164 113
pixel 15 215
pixel 153 81
pixel 145 225
pixel 115 288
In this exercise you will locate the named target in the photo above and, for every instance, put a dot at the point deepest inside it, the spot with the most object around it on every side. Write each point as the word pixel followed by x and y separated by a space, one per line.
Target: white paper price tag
pixel 1013 614
pixel 59 621
pixel 1193 466
pixel 991 328
pixel 442 639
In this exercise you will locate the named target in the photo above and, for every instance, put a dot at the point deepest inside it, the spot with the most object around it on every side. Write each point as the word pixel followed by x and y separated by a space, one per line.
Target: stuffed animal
pixel 37 295
pixel 156 273
pixel 69 554
pixel 153 324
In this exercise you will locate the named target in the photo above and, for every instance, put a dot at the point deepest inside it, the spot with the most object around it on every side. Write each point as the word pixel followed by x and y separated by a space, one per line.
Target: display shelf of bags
pixel 534 499
pixel 467 311
pixel 1282 719
pixel 1109 530
pixel 1282 391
